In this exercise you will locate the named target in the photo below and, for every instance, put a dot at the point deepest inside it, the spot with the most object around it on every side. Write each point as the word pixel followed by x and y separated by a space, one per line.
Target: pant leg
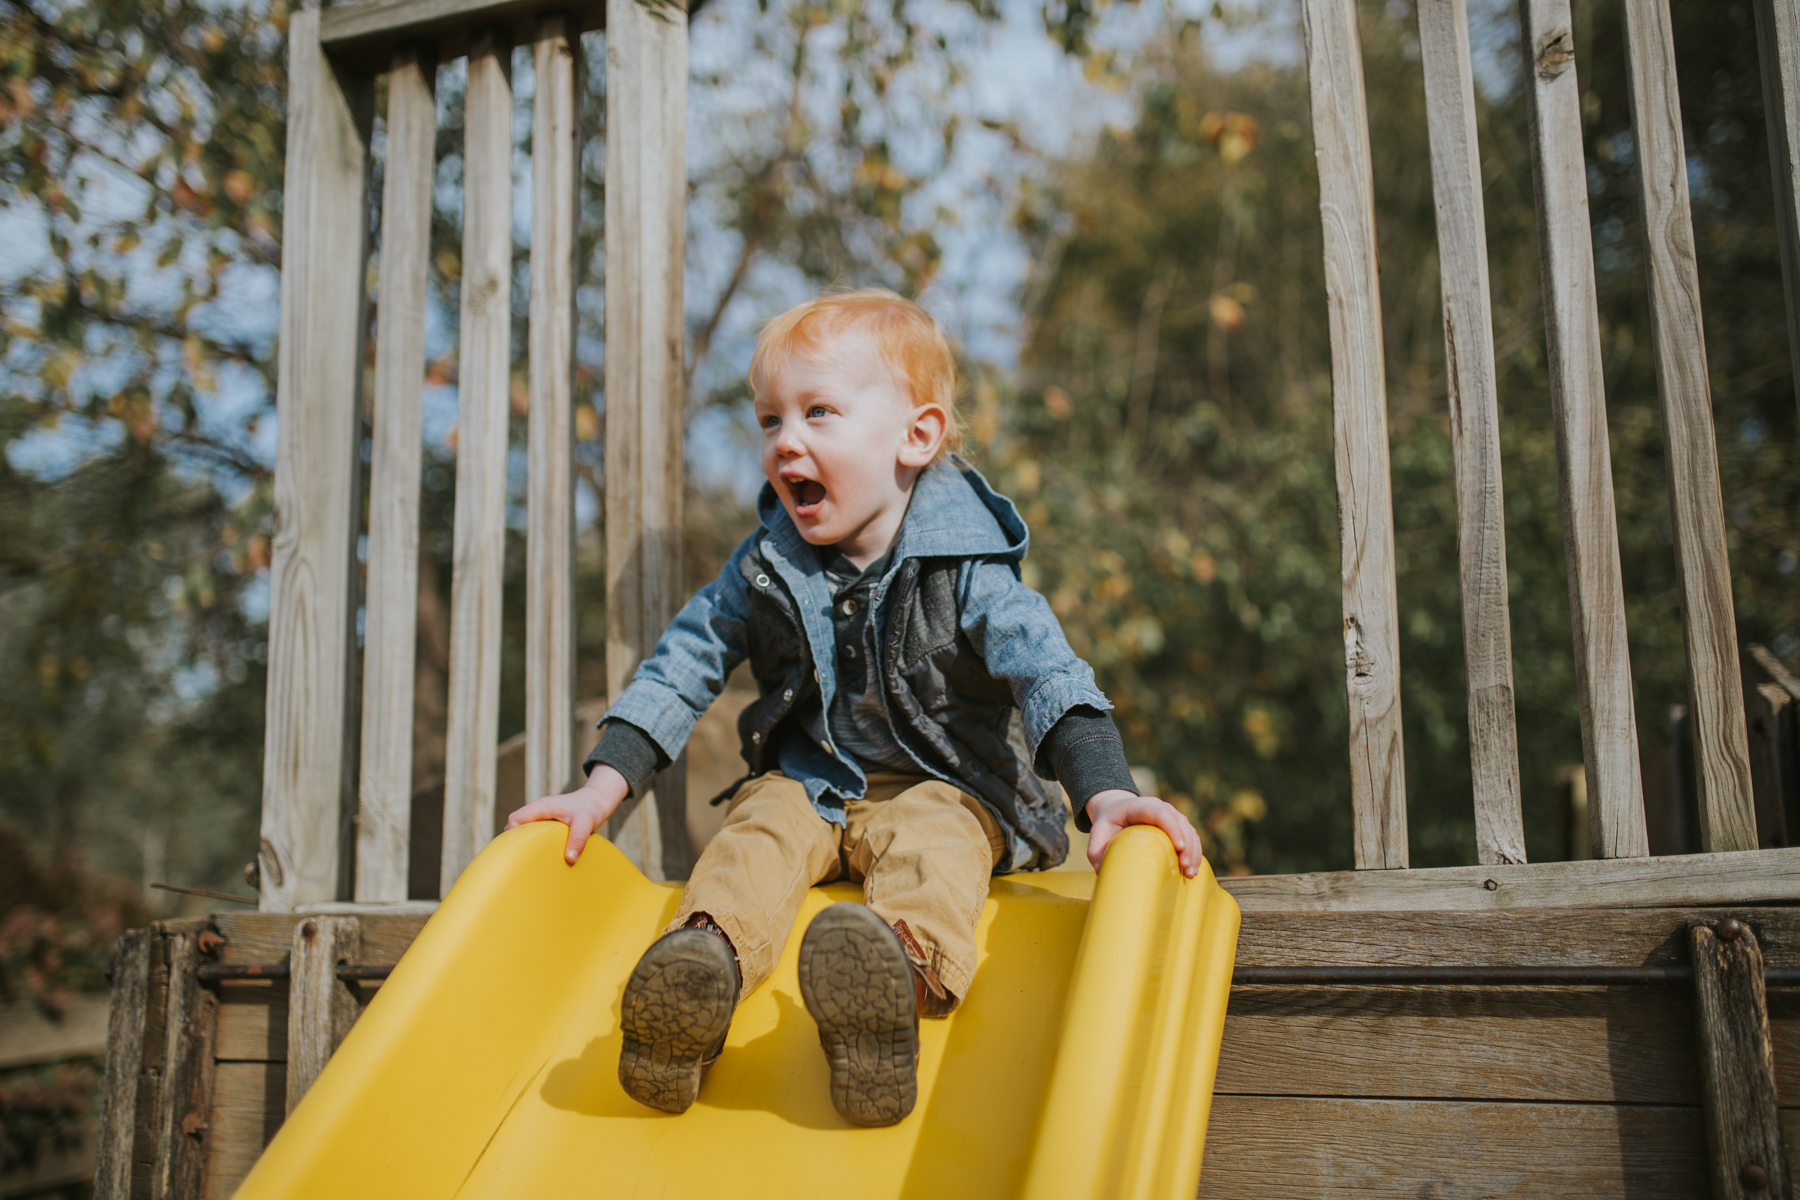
pixel 925 856
pixel 753 875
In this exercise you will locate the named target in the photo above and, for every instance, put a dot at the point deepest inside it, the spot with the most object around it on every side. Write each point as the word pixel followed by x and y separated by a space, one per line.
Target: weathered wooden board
pixel 1691 453
pixel 646 384
pixel 550 505
pixel 1745 877
pixel 366 32
pixel 1302 1148
pixel 483 380
pixel 1583 455
pixel 384 818
pixel 249 1104
pixel 267 937
pixel 1359 406
pixel 306 778
pixel 27 1036
pixel 320 1008
pixel 1778 39
pixel 126 1022
pixel 1650 937
pixel 1737 1063
pixel 184 1088
pixel 1474 428
pixel 1596 1045
pixel 252 1021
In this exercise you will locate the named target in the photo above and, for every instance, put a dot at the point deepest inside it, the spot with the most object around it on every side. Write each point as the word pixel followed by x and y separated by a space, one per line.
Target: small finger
pixel 579 829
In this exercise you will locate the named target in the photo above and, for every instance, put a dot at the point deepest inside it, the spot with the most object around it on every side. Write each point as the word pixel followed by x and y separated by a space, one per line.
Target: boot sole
pixel 676 1010
pixel 858 986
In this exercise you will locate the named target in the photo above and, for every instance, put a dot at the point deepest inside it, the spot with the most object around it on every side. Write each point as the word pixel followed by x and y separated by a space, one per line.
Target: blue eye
pixel 817 410
pixel 769 421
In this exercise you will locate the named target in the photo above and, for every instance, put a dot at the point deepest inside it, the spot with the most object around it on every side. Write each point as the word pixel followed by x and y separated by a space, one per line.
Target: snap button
pixel 762 581
pixel 756 739
pixel 849 608
pixel 787 694
pixel 849 651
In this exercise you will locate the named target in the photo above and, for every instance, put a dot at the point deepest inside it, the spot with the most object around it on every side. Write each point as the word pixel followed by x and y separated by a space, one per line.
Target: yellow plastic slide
pixel 487 1066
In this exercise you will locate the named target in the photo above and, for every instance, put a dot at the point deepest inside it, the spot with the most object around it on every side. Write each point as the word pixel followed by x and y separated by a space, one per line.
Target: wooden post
pixel 184 1101
pixel 321 1008
pixel 646 196
pixel 1715 690
pixel 125 1014
pixel 1737 1064
pixel 484 377
pixel 306 772
pixel 1772 761
pixel 384 827
pixel 1474 428
pixel 1778 39
pixel 550 544
pixel 1359 405
pixel 1583 457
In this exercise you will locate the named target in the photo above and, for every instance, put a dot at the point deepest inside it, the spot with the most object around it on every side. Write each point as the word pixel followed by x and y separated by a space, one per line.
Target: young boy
pixel 911 692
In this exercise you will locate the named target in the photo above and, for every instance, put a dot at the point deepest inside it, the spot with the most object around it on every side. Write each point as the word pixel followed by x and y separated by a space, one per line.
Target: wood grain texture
pixel 1715 695
pixel 1474 428
pixel 306 774
pixel 1302 1148
pixel 1745 877
pixel 1359 406
pixel 184 1097
pixel 479 552
pixel 1778 41
pixel 384 815
pixel 1593 1045
pixel 1737 1063
pixel 1774 761
pixel 1649 937
pixel 248 1107
pixel 320 1008
pixel 550 541
pixel 368 31
pixel 267 937
pixel 252 1021
pixel 646 171
pixel 125 1021
pixel 1583 456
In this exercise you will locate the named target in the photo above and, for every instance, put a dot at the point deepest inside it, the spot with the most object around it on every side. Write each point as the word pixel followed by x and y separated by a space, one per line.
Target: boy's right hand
pixel 583 810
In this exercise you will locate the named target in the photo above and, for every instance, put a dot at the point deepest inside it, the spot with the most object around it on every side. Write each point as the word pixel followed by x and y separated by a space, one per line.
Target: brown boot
pixel 675 1015
pixel 859 985
pixel 934 1000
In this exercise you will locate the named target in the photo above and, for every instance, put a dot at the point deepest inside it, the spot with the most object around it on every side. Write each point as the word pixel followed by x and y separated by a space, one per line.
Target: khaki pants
pixel 923 851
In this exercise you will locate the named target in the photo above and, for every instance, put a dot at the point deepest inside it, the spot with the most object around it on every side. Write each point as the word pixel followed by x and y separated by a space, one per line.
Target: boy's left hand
pixel 1114 809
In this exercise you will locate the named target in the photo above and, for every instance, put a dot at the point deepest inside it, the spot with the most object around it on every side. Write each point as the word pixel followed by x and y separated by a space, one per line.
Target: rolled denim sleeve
pixel 701 646
pixel 1012 628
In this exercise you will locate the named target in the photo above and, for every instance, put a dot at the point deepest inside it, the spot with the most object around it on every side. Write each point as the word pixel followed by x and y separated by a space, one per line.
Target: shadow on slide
pixel 1081 1065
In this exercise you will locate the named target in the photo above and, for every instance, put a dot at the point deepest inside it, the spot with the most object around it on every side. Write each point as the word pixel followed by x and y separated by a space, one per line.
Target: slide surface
pixel 1080 1066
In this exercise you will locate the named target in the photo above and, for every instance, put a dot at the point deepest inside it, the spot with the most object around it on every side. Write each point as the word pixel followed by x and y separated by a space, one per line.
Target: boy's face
pixel 842 444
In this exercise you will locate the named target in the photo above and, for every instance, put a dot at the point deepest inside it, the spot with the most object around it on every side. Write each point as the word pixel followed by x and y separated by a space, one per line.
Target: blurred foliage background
pixel 1156 394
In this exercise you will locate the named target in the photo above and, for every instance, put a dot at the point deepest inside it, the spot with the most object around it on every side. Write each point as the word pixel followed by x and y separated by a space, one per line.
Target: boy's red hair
pixel 910 340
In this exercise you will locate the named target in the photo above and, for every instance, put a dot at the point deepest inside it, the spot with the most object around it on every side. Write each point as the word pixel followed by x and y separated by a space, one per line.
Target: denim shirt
pixel 953 514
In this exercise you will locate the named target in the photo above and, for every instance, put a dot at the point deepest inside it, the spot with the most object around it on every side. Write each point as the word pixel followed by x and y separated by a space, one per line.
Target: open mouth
pixel 808 494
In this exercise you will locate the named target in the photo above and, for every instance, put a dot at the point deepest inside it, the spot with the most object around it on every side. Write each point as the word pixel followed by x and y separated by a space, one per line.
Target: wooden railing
pixel 334 57
pixel 1603 668
pixel 311 792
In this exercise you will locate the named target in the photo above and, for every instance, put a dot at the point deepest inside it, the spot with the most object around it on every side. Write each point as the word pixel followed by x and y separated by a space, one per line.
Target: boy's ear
pixel 929 426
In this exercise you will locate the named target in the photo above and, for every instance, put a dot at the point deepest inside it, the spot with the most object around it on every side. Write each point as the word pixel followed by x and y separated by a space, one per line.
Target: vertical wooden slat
pixel 1778 39
pixel 1474 428
pixel 185 1099
pixel 550 546
pixel 479 557
pixel 320 1008
pixel 1737 1064
pixel 117 1140
pixel 1359 404
pixel 646 194
pixel 1583 457
pixel 318 390
pixel 1715 690
pixel 389 631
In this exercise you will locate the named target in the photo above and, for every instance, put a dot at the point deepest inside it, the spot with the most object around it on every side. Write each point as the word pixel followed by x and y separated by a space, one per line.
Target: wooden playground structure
pixel 1622 1025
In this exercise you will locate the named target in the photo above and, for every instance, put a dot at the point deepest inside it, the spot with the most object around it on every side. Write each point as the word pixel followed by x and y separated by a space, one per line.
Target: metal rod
pixel 192 891
pixel 348 972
